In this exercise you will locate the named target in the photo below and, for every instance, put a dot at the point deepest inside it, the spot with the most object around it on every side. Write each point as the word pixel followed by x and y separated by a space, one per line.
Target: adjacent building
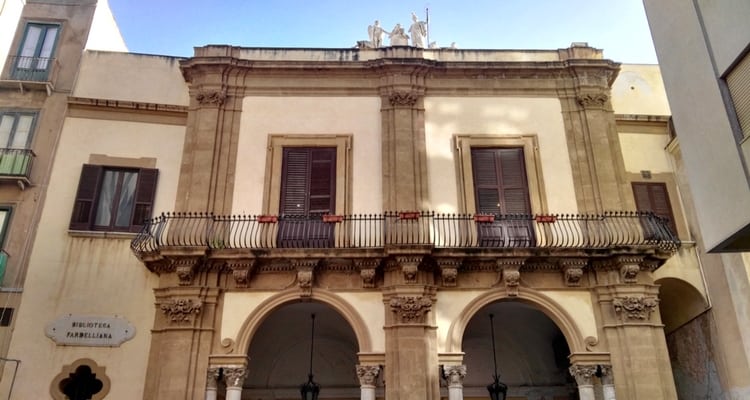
pixel 391 222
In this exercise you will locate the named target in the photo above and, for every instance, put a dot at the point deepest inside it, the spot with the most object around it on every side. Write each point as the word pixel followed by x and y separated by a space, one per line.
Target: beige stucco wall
pixel 449 116
pixel 104 33
pixel 639 89
pixel 90 275
pixel 356 116
pixel 645 151
pixel 131 77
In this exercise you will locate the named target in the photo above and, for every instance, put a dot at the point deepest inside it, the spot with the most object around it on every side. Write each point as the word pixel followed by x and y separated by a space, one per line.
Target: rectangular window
pixel 501 189
pixel 113 199
pixel 653 197
pixel 308 191
pixel 5 212
pixel 35 53
pixel 6 315
pixel 738 82
pixel 16 131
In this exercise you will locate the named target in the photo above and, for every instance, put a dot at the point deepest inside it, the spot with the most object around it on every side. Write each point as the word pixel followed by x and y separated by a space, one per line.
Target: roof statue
pixel 418 31
pixel 398 36
pixel 376 32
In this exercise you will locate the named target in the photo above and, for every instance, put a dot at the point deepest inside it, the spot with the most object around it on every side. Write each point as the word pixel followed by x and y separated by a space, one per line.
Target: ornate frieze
pixel 211 97
pixel 368 374
pixel 592 100
pixel 583 374
pixel 454 374
pixel 449 270
pixel 411 309
pixel 234 376
pixel 635 308
pixel 181 310
pixel 403 99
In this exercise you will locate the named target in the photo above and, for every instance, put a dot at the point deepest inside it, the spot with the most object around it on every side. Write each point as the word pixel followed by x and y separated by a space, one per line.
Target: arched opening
pixel 532 353
pixel 279 354
pixel 687 327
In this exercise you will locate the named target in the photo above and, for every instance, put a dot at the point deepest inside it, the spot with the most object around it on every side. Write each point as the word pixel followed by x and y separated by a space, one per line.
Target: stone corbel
pixel 241 271
pixel 184 268
pixel 629 267
pixel 368 375
pixel 635 308
pixel 409 267
pixel 367 270
pixel 573 270
pixel 511 274
pixel 449 270
pixel 305 268
pixel 411 309
pixel 181 310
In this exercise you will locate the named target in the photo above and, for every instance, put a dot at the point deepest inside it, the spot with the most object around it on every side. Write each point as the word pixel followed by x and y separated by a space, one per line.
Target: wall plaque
pixel 89 330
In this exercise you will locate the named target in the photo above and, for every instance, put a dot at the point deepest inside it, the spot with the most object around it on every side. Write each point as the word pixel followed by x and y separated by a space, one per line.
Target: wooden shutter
pixel 308 181
pixel 88 189
pixel 145 192
pixel 738 82
pixel 500 183
pixel 653 197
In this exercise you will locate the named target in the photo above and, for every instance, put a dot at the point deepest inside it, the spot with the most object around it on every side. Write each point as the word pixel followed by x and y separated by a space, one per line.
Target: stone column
pixel 368 375
pixel 584 375
pixel 608 384
pixel 211 383
pixel 455 374
pixel 234 377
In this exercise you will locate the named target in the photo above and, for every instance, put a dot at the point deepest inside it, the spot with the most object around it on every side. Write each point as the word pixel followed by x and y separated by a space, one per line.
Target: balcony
pixel 378 235
pixel 15 166
pixel 28 73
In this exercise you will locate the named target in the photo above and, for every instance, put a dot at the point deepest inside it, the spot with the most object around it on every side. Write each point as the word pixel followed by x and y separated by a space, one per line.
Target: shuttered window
pixel 738 82
pixel 308 181
pixel 500 183
pixel 113 199
pixel 653 197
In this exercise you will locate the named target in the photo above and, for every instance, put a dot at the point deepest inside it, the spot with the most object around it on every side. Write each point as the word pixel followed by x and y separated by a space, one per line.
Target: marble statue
pixel 398 36
pixel 418 31
pixel 376 34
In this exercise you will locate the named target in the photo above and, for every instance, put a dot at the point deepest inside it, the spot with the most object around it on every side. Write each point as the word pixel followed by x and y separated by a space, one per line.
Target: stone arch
pixel 549 307
pixel 679 302
pixel 256 317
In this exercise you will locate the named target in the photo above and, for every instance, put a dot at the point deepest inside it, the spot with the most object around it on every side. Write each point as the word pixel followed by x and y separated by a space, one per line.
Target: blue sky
pixel 174 27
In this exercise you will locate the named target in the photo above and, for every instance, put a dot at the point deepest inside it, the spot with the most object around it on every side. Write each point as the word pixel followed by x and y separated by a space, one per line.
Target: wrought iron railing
pixel 608 230
pixel 33 69
pixel 16 162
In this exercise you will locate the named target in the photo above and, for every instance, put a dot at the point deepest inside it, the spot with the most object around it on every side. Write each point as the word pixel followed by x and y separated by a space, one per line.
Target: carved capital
pixel 368 374
pixel 573 270
pixel 211 97
pixel 411 309
pixel 607 378
pixel 367 270
pixel 449 270
pixel 511 273
pixel 181 310
pixel 403 99
pixel 212 377
pixel 454 374
pixel 592 100
pixel 234 376
pixel 583 374
pixel 635 308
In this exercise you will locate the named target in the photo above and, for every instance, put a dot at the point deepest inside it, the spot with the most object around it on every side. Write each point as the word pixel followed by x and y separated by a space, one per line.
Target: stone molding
pixel 411 309
pixel 211 97
pixel 234 376
pixel 403 98
pixel 181 310
pixel 454 374
pixel 583 374
pixel 635 308
pixel 368 374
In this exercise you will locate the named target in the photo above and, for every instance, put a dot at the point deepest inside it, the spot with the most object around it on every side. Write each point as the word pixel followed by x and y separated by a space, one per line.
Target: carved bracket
pixel 367 270
pixel 305 270
pixel 184 268
pixel 510 269
pixel 368 374
pixel 411 309
pixel 449 270
pixel 629 268
pixel 181 310
pixel 635 308
pixel 573 270
pixel 409 267
pixel 241 271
